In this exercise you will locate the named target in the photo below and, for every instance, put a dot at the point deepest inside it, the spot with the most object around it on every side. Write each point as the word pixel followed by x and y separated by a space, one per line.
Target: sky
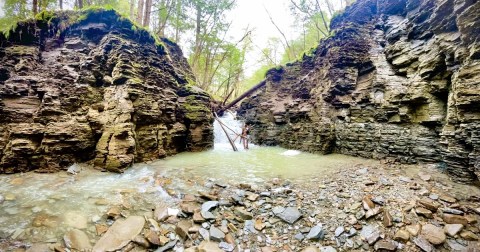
pixel 1 7
pixel 252 14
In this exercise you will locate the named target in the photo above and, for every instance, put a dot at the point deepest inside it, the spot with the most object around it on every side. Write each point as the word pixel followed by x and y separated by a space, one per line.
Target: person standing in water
pixel 245 132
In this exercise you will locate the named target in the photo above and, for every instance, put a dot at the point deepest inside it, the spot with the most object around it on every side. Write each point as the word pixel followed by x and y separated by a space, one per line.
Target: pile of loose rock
pixel 358 208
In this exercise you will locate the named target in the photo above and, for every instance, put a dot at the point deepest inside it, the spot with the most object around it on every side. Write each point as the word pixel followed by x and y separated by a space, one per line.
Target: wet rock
pixel 161 212
pixel 387 219
pixel 454 219
pixel 207 215
pixel 120 234
pixel 373 212
pixel 414 229
pixel 469 236
pixel 77 240
pixel 75 220
pixel 226 246
pixel 339 231
pixel 453 229
pixel 310 249
pixel 316 233
pixel 429 204
pixel 379 200
pixel 447 198
pixel 424 212
pixel 455 246
pixel 182 228
pixel 402 236
pixel 423 244
pixel 328 249
pixel 167 246
pixel 206 246
pixel 152 237
pixel 367 203
pixel 142 241
pixel 259 225
pixel 433 234
pixel 370 234
pixel 299 237
pixel 289 215
pixel 472 219
pixel 385 246
pixel 114 213
pixel 424 176
pixel 204 234
pixel 249 227
pixel 452 211
pixel 39 248
pixel 197 217
pixel 243 214
pixel 216 234
pixel 189 207
pixel 209 205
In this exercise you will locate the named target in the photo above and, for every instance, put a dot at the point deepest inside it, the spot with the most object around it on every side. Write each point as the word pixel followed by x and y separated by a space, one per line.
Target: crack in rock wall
pixel 398 80
pixel 76 87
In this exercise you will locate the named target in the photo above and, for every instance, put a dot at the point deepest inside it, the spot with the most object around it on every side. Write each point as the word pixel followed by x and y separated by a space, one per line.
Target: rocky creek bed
pixel 360 206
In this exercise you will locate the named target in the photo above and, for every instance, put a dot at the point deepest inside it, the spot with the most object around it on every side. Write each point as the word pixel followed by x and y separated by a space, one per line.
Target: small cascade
pixel 221 140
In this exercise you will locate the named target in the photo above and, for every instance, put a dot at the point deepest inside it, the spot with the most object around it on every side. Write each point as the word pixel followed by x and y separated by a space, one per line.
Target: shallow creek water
pixel 42 207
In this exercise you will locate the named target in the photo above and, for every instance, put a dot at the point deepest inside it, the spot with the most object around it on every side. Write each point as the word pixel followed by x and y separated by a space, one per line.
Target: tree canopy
pixel 201 27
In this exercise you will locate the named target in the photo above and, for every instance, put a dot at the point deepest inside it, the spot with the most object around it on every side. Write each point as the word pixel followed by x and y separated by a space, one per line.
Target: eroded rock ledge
pixel 398 80
pixel 92 86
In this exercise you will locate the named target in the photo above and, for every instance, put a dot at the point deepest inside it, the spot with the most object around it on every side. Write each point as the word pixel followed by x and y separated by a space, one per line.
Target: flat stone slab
pixel 289 214
pixel 120 234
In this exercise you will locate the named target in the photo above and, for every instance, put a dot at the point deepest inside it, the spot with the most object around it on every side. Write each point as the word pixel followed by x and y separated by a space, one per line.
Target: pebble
pixel 2 199
pixel 453 229
pixel 216 234
pixel 226 246
pixel 423 244
pixel 455 219
pixel 339 231
pixel 424 212
pixel 469 236
pixel 207 206
pixel 433 234
pixel 385 246
pixel 316 233
pixel 402 236
pixel 289 215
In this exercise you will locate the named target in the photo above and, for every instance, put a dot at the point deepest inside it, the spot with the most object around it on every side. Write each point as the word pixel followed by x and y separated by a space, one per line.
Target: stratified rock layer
pixel 92 86
pixel 397 80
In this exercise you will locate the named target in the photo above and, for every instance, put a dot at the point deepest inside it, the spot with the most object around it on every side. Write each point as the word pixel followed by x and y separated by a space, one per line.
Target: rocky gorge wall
pixel 92 86
pixel 397 80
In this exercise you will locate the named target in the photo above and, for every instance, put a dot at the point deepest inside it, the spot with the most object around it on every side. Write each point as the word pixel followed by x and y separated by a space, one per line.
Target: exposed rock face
pixel 91 86
pixel 398 80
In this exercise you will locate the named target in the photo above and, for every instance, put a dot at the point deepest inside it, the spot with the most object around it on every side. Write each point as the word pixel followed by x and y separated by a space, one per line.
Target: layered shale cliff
pixel 92 86
pixel 399 79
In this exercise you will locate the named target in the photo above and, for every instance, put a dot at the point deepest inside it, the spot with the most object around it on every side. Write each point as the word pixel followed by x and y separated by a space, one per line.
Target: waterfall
pixel 221 141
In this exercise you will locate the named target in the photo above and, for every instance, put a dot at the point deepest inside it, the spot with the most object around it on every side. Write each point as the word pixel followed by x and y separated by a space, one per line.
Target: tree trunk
pixel 80 4
pixel 60 3
pixel 35 7
pixel 140 12
pixel 178 10
pixel 197 27
pixel 148 10
pixel 132 9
